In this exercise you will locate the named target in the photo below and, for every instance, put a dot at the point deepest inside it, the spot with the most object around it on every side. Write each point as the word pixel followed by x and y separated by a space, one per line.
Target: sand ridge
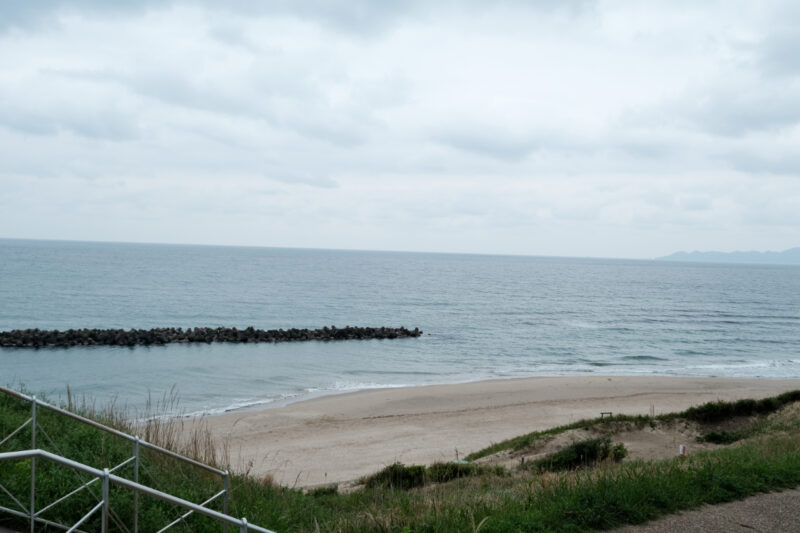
pixel 335 439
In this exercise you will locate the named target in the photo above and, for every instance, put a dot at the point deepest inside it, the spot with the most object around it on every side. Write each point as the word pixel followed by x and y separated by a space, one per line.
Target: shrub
pixel 721 437
pixel 444 472
pixel 619 452
pixel 325 490
pixel 716 411
pixel 397 476
pixel 580 454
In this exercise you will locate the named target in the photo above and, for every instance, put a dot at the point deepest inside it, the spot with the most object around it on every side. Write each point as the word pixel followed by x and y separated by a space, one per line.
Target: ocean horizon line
pixel 315 249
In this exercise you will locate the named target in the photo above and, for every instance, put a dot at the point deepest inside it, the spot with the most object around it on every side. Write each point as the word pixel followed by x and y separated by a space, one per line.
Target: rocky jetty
pixel 36 338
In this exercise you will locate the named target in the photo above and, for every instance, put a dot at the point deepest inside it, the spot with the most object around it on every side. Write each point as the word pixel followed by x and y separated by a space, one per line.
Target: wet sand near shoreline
pixel 339 438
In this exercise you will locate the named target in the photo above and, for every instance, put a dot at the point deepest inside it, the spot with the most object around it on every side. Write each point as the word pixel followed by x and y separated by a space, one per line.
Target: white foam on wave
pixel 245 404
pixel 250 404
pixel 580 324
pixel 771 363
pixel 351 386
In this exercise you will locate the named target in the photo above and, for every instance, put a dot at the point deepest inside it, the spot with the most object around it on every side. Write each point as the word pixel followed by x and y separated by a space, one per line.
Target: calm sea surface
pixel 483 317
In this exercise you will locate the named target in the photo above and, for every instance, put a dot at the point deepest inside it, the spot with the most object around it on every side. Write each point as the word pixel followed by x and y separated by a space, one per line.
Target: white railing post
pixel 33 467
pixel 33 423
pixel 104 526
pixel 136 479
pixel 226 486
pixel 243 528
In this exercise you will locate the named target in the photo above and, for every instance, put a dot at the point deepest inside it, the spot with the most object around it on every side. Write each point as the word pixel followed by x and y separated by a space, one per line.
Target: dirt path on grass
pixel 776 512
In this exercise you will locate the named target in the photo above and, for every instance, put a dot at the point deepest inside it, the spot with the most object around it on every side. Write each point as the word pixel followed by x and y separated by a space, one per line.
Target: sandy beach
pixel 339 438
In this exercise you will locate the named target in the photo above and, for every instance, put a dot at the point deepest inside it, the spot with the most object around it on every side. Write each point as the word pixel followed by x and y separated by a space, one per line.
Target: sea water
pixel 483 317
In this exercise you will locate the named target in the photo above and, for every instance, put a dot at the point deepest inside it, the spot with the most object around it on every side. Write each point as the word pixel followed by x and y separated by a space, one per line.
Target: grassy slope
pixel 707 413
pixel 490 500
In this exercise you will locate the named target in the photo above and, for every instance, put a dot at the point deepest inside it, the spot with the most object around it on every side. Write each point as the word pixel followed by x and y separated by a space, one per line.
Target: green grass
pixel 581 454
pixel 397 476
pixel 402 477
pixel 450 498
pixel 706 413
pixel 529 439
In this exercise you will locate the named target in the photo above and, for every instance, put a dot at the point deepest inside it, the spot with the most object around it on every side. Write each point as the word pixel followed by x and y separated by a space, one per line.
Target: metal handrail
pixel 108 478
pixel 137 443
pixel 113 431
pixel 84 486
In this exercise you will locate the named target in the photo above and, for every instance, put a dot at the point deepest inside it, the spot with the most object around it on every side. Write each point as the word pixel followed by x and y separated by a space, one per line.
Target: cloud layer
pixel 584 128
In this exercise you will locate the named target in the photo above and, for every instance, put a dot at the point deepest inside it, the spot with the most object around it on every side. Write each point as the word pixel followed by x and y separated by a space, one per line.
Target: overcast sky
pixel 609 129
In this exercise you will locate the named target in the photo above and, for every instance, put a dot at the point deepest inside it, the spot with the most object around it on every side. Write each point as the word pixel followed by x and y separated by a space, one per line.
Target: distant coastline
pixel 786 257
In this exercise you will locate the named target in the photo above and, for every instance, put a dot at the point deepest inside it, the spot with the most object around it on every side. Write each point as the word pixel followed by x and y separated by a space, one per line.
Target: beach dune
pixel 335 439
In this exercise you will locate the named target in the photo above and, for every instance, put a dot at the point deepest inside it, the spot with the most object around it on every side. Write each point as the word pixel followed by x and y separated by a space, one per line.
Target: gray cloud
pixel 737 111
pixel 28 16
pixel 776 52
pixel 355 16
pixel 781 161
pixel 96 123
pixel 489 141
pixel 362 17
pixel 495 146
pixel 285 102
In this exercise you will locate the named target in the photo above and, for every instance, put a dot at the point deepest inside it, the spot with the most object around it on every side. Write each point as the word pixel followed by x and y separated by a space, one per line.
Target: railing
pixel 137 443
pixel 107 478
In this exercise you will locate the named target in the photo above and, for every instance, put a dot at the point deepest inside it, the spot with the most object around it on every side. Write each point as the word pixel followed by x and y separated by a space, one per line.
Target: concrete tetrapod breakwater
pixel 36 338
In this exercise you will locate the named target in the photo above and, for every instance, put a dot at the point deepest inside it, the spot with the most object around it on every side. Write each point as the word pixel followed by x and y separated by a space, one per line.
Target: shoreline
pixel 340 437
pixel 321 394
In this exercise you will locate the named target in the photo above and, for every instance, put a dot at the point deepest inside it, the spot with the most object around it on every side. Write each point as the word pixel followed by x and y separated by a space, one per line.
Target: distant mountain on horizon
pixel 787 257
